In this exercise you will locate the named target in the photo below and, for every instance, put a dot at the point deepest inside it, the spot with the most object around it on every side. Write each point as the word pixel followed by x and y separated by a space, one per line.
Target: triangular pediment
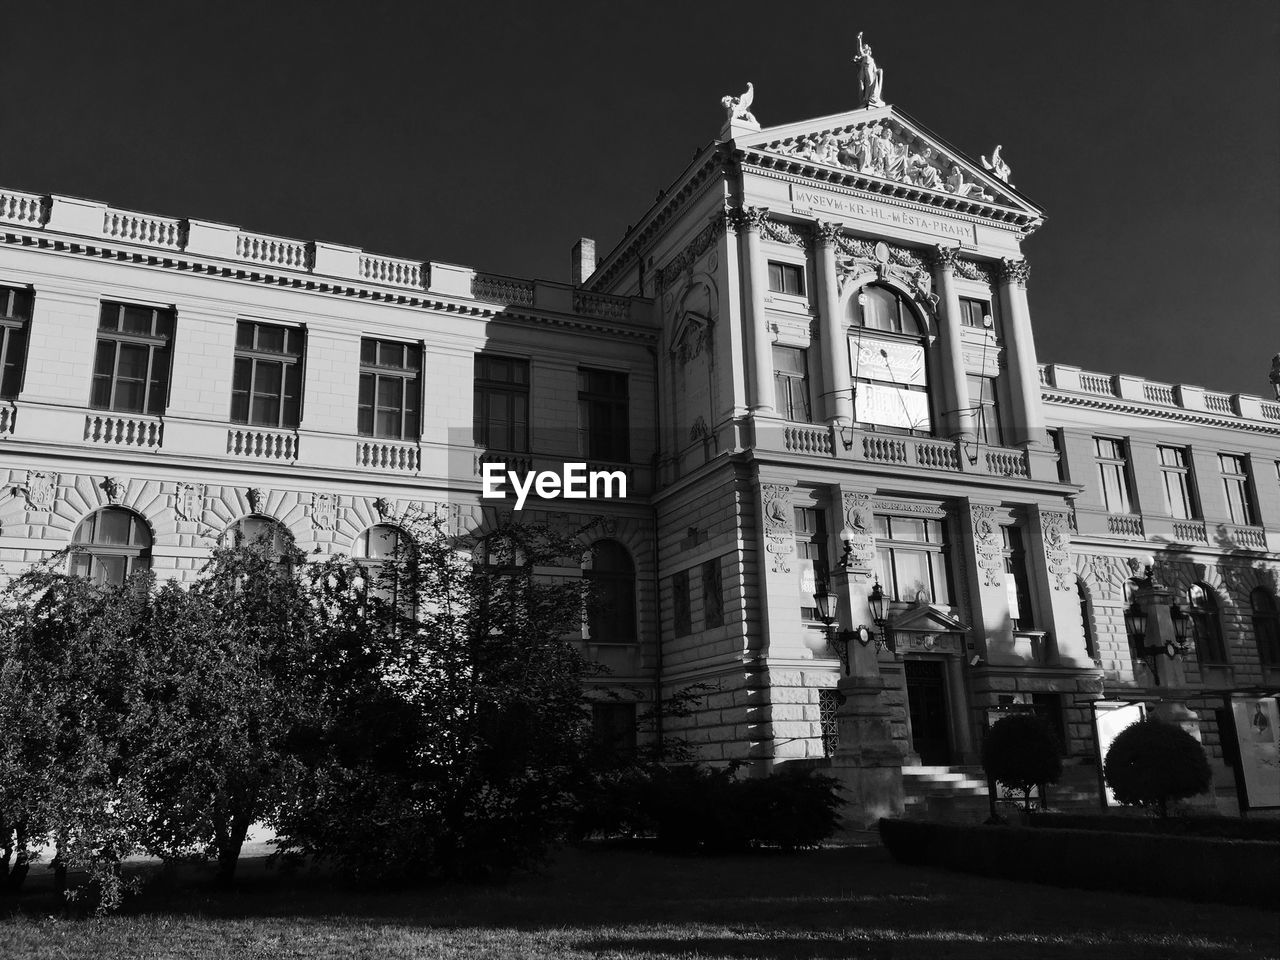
pixel 882 150
pixel 925 617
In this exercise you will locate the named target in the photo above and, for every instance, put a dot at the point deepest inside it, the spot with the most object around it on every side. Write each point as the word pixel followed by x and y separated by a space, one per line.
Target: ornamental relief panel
pixel 987 543
pixel 859 527
pixel 1056 540
pixel 779 525
pixel 40 490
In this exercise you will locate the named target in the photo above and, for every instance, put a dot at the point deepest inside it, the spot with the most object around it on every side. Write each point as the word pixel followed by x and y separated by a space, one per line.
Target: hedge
pixel 1191 868
pixel 1224 828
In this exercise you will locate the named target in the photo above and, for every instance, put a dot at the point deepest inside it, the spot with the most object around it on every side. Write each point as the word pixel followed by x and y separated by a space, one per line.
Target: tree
pixel 454 715
pixel 1151 762
pixel 220 701
pixel 1021 752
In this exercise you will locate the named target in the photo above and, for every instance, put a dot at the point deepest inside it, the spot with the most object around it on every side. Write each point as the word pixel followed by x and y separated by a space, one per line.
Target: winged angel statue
pixel 739 108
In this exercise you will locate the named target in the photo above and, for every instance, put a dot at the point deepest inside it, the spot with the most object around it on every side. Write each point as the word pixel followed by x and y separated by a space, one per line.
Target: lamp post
pixel 1135 622
pixel 840 639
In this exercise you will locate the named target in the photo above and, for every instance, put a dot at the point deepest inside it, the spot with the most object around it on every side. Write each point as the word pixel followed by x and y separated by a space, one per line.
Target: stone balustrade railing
pixel 262 444
pixel 1253 538
pixel 114 430
pixel 98 222
pixel 388 455
pixel 1066 379
pixel 1190 531
pixel 8 417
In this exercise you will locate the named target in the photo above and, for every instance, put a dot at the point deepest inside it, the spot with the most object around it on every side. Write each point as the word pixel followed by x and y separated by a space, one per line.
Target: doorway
pixel 927 709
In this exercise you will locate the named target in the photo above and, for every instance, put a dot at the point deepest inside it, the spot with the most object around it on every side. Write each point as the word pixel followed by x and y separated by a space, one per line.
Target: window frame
pixel 410 383
pixel 1180 474
pixel 1017 566
pixel 1206 624
pixel 786 271
pixel 858 330
pixel 812 544
pixel 487 389
pixel 712 576
pixel 973 319
pixel 1120 467
pixel 88 552
pixel 790 388
pixel 288 360
pixel 681 604
pixel 986 410
pixel 936 551
pixel 614 407
pixel 612 610
pixel 159 365
pixel 1245 506
pixel 17 304
pixel 1266 626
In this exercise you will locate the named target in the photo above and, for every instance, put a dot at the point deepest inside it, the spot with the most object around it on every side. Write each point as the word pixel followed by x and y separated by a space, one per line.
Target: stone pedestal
pixel 868 761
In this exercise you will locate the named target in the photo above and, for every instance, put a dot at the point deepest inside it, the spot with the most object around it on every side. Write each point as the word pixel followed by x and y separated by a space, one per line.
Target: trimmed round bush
pixel 1151 763
pixel 1021 751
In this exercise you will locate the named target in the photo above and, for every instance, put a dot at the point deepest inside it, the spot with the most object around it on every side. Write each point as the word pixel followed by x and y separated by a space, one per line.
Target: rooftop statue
pixel 870 77
pixel 738 107
pixel 1275 374
pixel 997 165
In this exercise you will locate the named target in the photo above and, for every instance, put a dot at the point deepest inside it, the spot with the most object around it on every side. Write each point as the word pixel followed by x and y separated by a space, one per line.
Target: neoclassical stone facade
pixel 813 358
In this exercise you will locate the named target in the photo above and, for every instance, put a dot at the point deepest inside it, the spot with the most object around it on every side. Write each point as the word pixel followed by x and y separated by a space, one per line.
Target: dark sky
pixel 494 134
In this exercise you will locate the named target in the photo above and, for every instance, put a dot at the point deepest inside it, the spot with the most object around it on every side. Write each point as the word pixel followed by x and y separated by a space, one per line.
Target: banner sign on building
pixel 1108 720
pixel 884 371
pixel 889 361
pixel 1257 723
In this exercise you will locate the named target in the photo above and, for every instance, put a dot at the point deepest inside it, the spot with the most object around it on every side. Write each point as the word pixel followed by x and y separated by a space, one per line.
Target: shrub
pixel 1151 763
pixel 1021 752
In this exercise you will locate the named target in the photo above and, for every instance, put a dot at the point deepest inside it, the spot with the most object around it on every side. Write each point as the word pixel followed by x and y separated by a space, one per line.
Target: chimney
pixel 584 260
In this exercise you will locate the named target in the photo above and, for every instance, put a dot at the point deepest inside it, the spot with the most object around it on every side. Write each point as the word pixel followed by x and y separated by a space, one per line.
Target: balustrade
pixel 262 444
pixel 112 430
pixel 139 228
pixel 8 417
pixel 382 455
pixel 1125 525
pixel 814 440
pixel 1189 531
pixel 24 208
pixel 392 271
pixel 273 251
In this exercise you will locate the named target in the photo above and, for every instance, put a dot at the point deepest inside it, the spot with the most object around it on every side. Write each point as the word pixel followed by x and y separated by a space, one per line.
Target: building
pixel 813 360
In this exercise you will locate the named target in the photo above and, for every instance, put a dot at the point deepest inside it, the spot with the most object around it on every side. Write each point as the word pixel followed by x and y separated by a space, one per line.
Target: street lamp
pixel 840 639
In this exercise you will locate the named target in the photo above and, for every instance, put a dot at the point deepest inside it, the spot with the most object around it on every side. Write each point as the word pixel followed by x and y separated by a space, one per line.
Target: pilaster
pixel 1026 420
pixel 759 344
pixel 958 415
pixel 837 385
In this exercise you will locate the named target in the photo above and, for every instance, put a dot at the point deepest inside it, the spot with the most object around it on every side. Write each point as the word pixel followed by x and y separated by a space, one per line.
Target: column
pixel 836 385
pixel 1026 421
pixel 957 413
pixel 759 343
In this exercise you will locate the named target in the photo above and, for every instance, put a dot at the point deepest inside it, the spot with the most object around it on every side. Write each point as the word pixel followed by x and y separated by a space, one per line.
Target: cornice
pixel 794 170
pixel 1178 416
pixel 184 263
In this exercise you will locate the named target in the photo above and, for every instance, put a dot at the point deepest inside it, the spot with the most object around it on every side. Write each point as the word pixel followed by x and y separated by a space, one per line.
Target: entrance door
pixel 927 703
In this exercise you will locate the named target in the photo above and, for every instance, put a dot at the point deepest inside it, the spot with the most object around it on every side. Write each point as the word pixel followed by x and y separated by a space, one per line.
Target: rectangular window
pixel 501 415
pixel 15 317
pixel 712 595
pixel 131 365
pixel 786 278
pixel 1016 579
pixel 1175 469
pixel 1113 470
pixel 975 313
pixel 1059 449
pixel 912 559
pixel 791 383
pixel 604 424
pixel 1235 481
pixel 828 720
pixel 811 546
pixel 389 389
pixel 266 386
pixel 982 397
pixel 680 603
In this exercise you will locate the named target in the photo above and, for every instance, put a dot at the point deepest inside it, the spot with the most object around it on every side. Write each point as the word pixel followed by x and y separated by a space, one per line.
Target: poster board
pixel 1109 718
pixel 1257 735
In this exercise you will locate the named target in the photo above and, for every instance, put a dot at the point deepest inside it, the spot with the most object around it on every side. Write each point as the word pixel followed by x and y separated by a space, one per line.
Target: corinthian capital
pixel 1015 271
pixel 944 257
pixel 826 232
pixel 750 218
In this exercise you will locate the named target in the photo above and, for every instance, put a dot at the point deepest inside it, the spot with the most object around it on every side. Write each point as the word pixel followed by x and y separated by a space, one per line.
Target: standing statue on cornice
pixel 737 107
pixel 997 166
pixel 870 77
pixel 1275 374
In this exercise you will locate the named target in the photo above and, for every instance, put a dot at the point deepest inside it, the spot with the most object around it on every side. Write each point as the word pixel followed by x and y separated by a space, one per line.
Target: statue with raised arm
pixel 1275 374
pixel 870 77
pixel 997 166
pixel 738 107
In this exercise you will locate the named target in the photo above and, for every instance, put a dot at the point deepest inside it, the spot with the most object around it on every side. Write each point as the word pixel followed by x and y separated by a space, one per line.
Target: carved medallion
pixel 779 525
pixel 324 511
pixel 40 490
pixel 113 488
pixel 986 541
pixel 188 501
pixel 1054 525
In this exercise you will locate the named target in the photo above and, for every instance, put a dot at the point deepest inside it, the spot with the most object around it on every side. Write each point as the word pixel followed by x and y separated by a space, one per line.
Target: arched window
pixel 373 548
pixel 611 608
pixel 1086 618
pixel 887 358
pixel 253 530
pixel 1208 626
pixel 1136 645
pixel 110 545
pixel 1266 626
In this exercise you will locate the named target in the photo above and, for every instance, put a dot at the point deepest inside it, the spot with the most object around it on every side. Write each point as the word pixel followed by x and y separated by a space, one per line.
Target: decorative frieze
pixel 686 258
pixel 974 270
pixel 987 545
pixel 1056 554
pixel 779 525
pixel 781 232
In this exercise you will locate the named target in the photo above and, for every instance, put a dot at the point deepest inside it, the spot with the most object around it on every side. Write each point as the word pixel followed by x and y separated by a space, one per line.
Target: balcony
pixel 822 442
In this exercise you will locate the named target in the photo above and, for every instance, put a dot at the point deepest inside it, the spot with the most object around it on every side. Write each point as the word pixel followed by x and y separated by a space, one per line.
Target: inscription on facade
pixel 806 201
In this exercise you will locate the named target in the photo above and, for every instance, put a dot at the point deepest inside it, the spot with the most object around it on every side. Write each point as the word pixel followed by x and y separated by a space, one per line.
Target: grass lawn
pixel 608 902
